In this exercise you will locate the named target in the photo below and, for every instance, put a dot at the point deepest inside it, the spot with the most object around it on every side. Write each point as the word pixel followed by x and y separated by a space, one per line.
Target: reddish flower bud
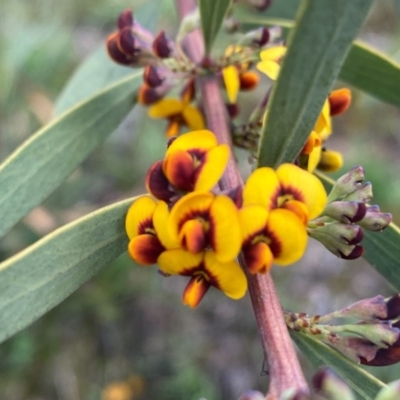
pixel 248 80
pixel 125 19
pixel 162 46
pixel 260 5
pixel 233 110
pixel 355 253
pixel 152 77
pixel 115 52
pixel 393 307
pixel 147 95
pixel 157 184
pixel 339 101
pixel 263 38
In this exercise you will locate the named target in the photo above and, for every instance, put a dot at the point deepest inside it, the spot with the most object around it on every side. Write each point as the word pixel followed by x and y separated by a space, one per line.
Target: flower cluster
pixel 188 230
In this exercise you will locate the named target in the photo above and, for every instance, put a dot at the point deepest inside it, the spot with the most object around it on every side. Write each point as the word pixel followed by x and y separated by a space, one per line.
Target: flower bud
pixel 125 19
pixel 148 95
pixel 331 385
pixel 344 233
pixel 393 306
pixel 248 80
pixel 362 193
pixel 374 220
pixel 356 348
pixel 258 37
pixel 157 184
pixel 366 309
pixel 345 211
pixel 390 392
pixel 330 161
pixel 116 53
pixel 126 42
pixel 162 46
pixel 232 109
pixel 260 5
pixel 347 183
pixel 152 77
pixel 339 101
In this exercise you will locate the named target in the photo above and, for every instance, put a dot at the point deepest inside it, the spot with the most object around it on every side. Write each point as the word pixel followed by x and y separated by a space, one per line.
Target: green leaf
pixel 40 277
pixel 317 48
pixel 36 168
pixel 212 14
pixel 98 70
pixel 319 354
pixel 372 72
pixel 381 249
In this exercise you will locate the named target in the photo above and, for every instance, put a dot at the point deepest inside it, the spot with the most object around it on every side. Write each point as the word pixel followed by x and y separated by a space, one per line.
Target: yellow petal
pixel 166 108
pixel 313 158
pixel 288 236
pixel 304 186
pixel 258 258
pixel 228 277
pixel 330 161
pixel 192 236
pixel 298 208
pixel 199 140
pixel 145 249
pixel 273 53
pixel 212 167
pixel 230 75
pixel 323 126
pixel 160 219
pixel 172 128
pixel 262 188
pixel 140 214
pixel 180 262
pixel 195 291
pixel 193 118
pixel 252 220
pixel 269 68
pixel 186 208
pixel 226 237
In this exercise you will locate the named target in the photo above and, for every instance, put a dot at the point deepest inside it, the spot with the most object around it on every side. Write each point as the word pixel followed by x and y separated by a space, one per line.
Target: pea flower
pixel 205 270
pixel 201 221
pixel 193 161
pixel 143 224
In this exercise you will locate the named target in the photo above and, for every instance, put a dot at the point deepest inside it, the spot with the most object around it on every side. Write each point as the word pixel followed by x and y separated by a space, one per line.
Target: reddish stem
pixel 283 365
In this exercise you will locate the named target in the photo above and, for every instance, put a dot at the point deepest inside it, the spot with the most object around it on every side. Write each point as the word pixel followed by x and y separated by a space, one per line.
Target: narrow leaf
pixel 382 249
pixel 212 14
pixel 36 168
pixel 40 277
pixel 372 72
pixel 319 354
pixel 317 48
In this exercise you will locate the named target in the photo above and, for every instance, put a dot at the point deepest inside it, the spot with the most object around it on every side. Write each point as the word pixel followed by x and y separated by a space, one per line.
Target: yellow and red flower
pixel 289 187
pixel 205 270
pixel 193 161
pixel 179 112
pixel 144 226
pixel 202 221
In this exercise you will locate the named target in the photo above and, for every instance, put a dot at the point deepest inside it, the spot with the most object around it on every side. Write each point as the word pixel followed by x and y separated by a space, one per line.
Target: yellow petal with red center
pixel 145 249
pixel 193 118
pixel 330 161
pixel 304 187
pixel 298 208
pixel 201 141
pixel 179 169
pixel 230 75
pixel 273 53
pixel 252 220
pixel 269 68
pixel 166 108
pixel 192 236
pixel 160 219
pixel 258 258
pixel 180 262
pixel 323 126
pixel 228 277
pixel 262 187
pixel 212 167
pixel 139 216
pixel 173 128
pixel 313 158
pixel 226 237
pixel 195 291
pixel 195 205
pixel 288 236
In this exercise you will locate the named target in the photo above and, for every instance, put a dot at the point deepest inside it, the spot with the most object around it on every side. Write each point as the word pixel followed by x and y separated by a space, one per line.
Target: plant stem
pixel 283 365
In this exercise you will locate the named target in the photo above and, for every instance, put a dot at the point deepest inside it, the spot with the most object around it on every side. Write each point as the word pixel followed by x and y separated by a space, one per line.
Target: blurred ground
pixel 127 325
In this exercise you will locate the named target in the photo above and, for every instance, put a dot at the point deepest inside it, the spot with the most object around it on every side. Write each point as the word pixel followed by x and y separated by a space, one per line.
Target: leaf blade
pixel 317 49
pixel 41 276
pixel 37 167
pixel 318 354
pixel 212 14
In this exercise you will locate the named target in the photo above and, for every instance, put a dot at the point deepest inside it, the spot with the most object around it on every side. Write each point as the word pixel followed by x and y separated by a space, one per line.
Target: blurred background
pixel 125 334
